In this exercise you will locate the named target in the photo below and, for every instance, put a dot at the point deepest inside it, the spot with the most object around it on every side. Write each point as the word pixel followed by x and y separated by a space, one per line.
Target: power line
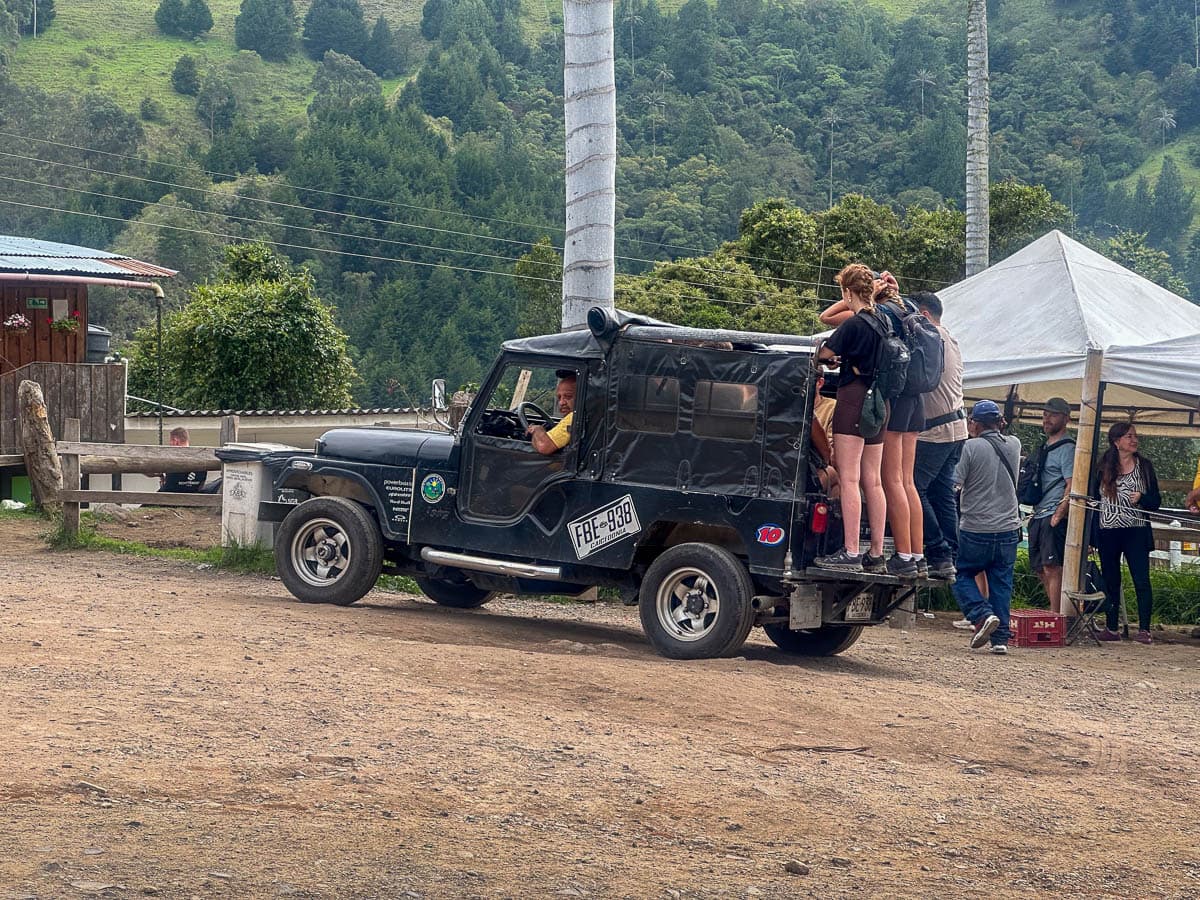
pixel 556 229
pixel 270 224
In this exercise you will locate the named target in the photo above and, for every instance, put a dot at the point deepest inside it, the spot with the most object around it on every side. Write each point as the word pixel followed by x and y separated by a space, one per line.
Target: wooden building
pixel 44 334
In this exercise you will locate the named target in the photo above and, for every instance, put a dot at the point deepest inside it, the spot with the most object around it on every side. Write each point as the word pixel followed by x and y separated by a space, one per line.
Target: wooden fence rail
pixel 80 459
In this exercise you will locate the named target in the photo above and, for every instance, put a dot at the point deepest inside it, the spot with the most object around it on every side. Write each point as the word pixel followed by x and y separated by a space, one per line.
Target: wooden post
pixel 37 443
pixel 229 430
pixel 70 476
pixel 1089 414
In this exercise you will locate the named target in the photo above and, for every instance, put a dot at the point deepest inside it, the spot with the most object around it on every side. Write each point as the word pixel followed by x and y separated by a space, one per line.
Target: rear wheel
pixel 455 591
pixel 329 550
pixel 828 640
pixel 695 602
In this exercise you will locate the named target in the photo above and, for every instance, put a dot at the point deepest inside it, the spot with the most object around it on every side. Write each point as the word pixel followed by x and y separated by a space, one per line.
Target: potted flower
pixel 17 323
pixel 67 324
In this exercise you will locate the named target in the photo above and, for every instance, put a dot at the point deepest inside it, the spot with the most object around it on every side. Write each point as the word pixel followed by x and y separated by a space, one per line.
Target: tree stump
pixel 37 443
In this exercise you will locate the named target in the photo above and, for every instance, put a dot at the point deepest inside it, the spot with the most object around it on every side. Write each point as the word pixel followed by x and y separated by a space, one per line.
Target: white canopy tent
pixel 1059 320
pixel 1026 324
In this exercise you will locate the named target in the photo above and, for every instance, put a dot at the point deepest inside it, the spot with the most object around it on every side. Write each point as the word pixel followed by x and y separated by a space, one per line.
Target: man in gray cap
pixel 989 527
pixel 1050 469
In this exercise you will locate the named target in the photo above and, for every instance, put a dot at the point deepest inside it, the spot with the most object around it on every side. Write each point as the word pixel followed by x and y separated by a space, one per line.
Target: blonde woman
pixel 854 349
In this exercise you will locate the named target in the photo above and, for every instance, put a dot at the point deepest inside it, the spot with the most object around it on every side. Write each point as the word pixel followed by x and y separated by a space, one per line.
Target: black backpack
pixel 926 350
pixel 892 359
pixel 1029 485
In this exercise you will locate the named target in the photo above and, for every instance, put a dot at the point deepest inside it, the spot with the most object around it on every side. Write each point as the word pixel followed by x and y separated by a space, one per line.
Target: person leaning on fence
pixel 181 482
pixel 1048 527
pixel 989 529
pixel 1124 487
pixel 939 447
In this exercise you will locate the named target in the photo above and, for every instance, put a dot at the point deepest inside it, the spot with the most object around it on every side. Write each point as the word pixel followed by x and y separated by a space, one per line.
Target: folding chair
pixel 1086 604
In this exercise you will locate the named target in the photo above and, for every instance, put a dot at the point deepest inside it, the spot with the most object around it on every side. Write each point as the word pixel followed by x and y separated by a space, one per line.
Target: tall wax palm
pixel 631 18
pixel 977 137
pixel 590 108
pixel 1165 120
pixel 924 78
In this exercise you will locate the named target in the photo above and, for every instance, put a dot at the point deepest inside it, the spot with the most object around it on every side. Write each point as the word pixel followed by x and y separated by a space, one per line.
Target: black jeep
pixel 687 484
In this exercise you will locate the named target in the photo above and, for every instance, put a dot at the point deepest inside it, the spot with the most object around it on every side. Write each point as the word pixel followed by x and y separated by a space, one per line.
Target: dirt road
pixel 179 732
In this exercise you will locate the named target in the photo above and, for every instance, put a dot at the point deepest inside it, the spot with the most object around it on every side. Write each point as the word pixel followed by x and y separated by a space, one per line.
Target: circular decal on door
pixel 433 488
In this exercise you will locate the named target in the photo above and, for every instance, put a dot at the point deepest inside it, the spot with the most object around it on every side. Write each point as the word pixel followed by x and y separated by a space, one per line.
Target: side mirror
pixel 439 393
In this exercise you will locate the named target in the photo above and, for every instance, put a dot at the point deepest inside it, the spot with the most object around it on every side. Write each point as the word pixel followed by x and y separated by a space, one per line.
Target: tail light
pixel 820 518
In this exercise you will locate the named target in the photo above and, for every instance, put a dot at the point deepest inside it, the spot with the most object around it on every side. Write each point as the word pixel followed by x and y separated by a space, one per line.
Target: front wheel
pixel 695 602
pixel 329 550
pixel 828 640
pixel 454 591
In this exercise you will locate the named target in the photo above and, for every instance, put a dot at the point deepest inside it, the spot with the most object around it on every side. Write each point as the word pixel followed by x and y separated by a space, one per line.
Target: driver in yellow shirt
pixel 550 441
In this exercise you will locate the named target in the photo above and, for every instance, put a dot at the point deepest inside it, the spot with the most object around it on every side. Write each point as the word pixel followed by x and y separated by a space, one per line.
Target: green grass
pixel 1181 149
pixel 245 560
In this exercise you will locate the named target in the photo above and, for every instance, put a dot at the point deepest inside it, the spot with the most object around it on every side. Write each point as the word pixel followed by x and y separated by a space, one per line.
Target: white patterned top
pixel 1120 513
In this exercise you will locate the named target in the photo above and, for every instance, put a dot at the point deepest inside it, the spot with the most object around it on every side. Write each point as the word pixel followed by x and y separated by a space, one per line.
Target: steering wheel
pixel 523 411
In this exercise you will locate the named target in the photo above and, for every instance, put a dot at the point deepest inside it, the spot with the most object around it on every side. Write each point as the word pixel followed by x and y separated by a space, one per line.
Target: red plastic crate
pixel 1038 628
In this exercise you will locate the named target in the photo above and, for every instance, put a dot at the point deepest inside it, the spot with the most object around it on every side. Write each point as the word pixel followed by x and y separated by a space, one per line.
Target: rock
pixel 92 851
pixel 795 867
pixel 89 787
pixel 1196 632
pixel 974 770
pixel 150 890
pixel 733 826
pixel 93 887
pixel 840 861
pixel 220 876
pixel 1146 686
pixel 331 760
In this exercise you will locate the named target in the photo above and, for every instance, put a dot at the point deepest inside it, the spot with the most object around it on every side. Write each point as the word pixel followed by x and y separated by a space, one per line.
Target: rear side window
pixel 725 410
pixel 648 403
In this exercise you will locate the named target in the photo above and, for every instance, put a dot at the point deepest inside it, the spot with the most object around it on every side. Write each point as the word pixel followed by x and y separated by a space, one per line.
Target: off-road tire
pixel 828 640
pixel 686 618
pixel 456 592
pixel 337 534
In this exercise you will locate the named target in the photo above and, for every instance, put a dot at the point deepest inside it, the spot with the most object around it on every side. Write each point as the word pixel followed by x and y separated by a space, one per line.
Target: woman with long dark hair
pixel 1125 486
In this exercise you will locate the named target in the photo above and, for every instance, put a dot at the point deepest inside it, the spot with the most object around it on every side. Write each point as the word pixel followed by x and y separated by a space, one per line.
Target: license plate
pixel 608 524
pixel 861 607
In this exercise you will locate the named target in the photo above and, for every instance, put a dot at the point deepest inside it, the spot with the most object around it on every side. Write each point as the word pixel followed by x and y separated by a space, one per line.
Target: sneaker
pixel 1000 649
pixel 922 567
pixel 902 568
pixel 1107 635
pixel 840 561
pixel 964 624
pixel 943 570
pixel 876 565
pixel 1143 637
pixel 983 631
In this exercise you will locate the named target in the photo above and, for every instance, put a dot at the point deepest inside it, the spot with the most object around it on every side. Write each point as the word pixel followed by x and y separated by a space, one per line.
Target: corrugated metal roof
pixel 18 254
pixel 377 411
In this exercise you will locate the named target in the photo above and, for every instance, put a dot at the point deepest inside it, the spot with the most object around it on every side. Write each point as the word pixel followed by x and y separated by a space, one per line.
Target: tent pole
pixel 1089 426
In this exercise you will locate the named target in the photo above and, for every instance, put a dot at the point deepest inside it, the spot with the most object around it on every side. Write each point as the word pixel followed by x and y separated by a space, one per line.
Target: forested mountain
pixel 411 157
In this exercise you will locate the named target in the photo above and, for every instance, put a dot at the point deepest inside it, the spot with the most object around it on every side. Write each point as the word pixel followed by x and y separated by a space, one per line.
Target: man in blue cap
pixel 989 525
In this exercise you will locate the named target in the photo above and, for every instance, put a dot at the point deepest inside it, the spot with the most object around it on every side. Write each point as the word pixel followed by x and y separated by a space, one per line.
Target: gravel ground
pixel 181 732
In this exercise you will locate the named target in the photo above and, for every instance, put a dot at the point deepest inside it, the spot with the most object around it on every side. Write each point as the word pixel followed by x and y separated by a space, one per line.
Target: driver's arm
pixel 549 442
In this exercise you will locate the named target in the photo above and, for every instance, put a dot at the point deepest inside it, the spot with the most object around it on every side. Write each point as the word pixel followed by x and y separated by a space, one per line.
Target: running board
pixel 508 567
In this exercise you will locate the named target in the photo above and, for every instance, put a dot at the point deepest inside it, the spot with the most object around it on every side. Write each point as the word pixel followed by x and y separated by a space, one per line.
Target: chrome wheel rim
pixel 688 604
pixel 321 552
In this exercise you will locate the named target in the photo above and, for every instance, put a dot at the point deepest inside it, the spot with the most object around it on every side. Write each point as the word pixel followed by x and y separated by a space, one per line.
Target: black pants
pixel 1135 544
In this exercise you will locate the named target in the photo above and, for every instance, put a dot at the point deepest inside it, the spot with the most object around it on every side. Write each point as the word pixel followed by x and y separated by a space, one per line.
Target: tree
pixel 216 105
pixel 1129 249
pixel 341 83
pixel 978 142
pixel 183 18
pixel 1165 120
pixel 259 338
pixel 1021 213
pixel 335 25
pixel 185 78
pixel 1173 205
pixel 267 27
pixel 590 97
pixel 539 290
pixel 380 54
pixel 923 79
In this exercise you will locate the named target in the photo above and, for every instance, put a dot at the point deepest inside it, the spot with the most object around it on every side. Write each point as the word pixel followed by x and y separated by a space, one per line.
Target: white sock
pixel 906 556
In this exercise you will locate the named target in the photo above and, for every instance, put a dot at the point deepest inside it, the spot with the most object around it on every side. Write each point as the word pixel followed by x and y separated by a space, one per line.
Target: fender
pixel 338 480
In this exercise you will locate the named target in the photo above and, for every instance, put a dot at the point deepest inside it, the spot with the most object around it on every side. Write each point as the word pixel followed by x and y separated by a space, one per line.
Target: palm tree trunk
pixel 977 137
pixel 589 89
